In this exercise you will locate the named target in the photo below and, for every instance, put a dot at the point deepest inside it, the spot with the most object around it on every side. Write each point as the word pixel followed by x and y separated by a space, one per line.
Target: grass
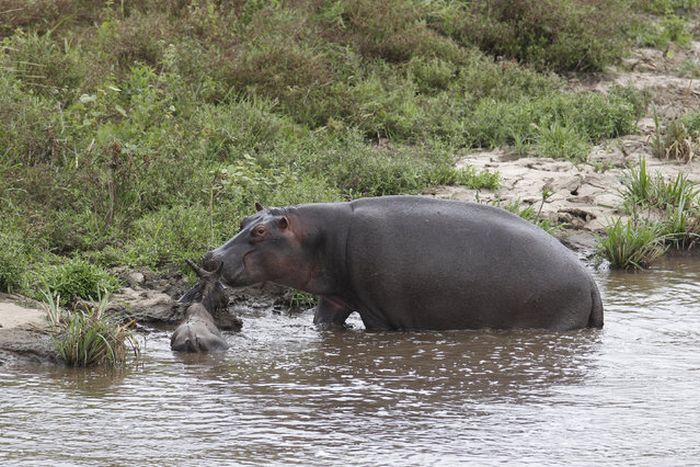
pixel 530 214
pixel 78 279
pixel 665 213
pixel 679 140
pixel 140 133
pixel 644 190
pixel 88 337
pixel 631 245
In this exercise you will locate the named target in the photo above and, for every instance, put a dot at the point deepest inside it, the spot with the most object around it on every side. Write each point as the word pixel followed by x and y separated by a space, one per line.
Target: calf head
pixel 209 291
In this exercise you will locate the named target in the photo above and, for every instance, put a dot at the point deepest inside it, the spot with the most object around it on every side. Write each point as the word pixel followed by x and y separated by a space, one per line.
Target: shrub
pixel 550 34
pixel 87 337
pixel 393 30
pixel 558 141
pixel 77 279
pixel 676 142
pixel 14 260
pixel 631 245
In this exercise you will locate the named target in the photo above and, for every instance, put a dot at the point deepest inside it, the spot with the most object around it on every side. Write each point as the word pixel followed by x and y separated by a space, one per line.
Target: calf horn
pixel 203 273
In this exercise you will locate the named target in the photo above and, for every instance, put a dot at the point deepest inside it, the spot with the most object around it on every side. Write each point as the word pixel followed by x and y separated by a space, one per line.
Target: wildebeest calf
pixel 198 332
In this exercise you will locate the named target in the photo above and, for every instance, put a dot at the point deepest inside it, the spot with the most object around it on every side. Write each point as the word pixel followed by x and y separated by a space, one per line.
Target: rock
pixel 23 331
pixel 25 346
pixel 145 305
pixel 135 278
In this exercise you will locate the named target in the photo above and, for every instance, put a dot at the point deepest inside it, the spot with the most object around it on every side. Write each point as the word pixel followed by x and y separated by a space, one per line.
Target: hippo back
pixel 430 264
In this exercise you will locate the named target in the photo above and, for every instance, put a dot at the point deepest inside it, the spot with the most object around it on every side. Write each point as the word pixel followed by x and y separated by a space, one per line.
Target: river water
pixel 285 393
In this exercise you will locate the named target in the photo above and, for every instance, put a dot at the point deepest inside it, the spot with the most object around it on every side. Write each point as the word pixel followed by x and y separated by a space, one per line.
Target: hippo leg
pixel 331 313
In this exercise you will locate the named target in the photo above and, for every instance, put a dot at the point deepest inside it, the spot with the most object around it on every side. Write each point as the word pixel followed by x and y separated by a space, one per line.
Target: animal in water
pixel 407 262
pixel 198 332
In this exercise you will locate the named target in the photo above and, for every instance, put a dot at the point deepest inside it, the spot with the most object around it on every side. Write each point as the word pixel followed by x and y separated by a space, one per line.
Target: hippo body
pixel 407 262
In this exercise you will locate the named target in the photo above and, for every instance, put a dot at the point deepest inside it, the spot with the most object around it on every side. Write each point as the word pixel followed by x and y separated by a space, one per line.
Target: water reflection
pixel 286 393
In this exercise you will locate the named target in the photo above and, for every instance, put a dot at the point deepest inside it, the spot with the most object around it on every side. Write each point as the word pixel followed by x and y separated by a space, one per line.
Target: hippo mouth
pixel 233 279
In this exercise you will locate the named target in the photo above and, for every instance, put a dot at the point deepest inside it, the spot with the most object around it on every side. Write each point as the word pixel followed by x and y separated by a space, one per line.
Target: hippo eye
pixel 259 231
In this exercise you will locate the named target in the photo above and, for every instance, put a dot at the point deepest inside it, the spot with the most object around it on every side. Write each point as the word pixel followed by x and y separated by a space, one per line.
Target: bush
pixel 14 260
pixel 77 279
pixel 567 35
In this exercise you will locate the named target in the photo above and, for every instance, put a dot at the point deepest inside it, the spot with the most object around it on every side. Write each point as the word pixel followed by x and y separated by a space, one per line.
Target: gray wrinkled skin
pixel 405 262
pixel 198 332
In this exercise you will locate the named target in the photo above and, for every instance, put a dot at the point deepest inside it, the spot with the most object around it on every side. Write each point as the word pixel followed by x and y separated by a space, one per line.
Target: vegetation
pixel 140 132
pixel 87 337
pixel 679 140
pixel 631 245
pixel 664 213
pixel 669 23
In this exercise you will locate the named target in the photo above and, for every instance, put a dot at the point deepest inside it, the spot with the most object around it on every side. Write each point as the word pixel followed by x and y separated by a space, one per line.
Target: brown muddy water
pixel 285 393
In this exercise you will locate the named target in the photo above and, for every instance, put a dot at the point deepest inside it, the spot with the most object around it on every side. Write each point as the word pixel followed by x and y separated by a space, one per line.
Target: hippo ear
pixel 283 223
pixel 258 207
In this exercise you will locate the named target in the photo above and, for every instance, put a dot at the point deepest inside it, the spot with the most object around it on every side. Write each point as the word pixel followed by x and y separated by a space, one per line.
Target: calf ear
pixel 283 223
pixel 258 207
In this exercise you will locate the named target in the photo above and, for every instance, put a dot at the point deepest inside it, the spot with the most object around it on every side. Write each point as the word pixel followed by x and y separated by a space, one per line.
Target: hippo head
pixel 267 248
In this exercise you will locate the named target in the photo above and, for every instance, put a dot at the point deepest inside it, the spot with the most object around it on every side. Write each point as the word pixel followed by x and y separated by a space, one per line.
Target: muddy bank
pixel 148 298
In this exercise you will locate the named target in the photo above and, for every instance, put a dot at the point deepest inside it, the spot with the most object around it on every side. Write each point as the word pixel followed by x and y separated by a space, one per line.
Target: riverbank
pixel 23 331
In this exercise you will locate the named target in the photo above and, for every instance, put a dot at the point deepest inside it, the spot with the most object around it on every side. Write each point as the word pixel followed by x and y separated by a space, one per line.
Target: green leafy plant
pixel 87 336
pixel 558 141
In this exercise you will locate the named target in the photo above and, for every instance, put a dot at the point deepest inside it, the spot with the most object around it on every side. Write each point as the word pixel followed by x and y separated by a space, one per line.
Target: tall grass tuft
pixel 678 141
pixel 87 337
pixel 633 245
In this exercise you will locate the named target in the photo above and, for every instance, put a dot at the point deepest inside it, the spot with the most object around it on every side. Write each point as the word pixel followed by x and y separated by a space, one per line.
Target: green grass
pixel 77 279
pixel 87 337
pixel 530 214
pixel 140 133
pixel 644 190
pixel 631 245
pixel 669 207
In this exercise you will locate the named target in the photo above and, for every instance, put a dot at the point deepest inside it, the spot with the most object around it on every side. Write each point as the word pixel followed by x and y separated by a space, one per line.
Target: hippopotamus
pixel 407 262
pixel 198 332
